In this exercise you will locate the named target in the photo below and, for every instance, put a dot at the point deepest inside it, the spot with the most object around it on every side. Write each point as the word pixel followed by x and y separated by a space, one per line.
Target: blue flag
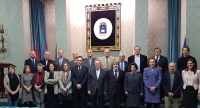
pixel 184 44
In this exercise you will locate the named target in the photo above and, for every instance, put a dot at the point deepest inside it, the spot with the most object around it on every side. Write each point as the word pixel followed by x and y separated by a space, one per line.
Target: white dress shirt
pixel 137 61
pixel 97 73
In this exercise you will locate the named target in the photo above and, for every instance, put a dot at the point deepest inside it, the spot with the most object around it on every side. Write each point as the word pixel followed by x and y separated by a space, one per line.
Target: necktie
pixel 33 61
pixel 157 59
pixel 116 75
pixel 90 61
pixel 106 63
pixel 121 66
pixel 79 70
pixel 60 61
pixel 46 62
pixel 97 73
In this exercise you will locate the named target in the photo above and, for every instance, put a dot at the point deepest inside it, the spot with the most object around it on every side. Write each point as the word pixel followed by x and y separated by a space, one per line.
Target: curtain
pixel 38 27
pixel 173 30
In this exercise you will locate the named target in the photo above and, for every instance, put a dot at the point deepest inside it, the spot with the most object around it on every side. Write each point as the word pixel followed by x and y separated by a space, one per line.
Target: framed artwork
pixel 103 26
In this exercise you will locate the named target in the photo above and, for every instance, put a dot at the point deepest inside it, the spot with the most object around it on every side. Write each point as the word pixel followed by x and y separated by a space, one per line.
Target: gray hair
pixel 39 64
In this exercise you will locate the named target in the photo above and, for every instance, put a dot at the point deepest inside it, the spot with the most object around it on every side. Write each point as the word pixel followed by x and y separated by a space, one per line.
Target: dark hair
pixel 11 66
pixel 194 68
pixel 137 46
pixel 186 48
pixel 67 64
pixel 80 57
pixel 48 70
pixel 157 48
pixel 154 60
pixel 25 67
pixel 134 64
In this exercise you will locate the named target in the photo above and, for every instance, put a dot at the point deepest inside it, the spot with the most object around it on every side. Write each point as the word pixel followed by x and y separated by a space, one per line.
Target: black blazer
pixel 94 83
pixel 143 61
pixel 163 63
pixel 177 85
pixel 79 79
pixel 31 64
pixel 126 64
pixel 115 87
pixel 43 62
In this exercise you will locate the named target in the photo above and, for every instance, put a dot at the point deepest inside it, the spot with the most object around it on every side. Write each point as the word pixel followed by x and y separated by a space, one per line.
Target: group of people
pixel 137 81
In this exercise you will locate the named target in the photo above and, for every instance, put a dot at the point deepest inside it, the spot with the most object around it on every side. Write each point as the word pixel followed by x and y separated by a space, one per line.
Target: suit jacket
pixel 94 83
pixel 79 79
pixel 143 61
pixel 86 62
pixel 115 87
pixel 44 63
pixel 51 81
pixel 126 64
pixel 103 62
pixel 163 63
pixel 72 64
pixel 31 64
pixel 58 67
pixel 177 84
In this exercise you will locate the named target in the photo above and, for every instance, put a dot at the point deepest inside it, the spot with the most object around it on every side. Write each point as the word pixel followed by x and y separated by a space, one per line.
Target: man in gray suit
pixel 73 62
pixel 60 60
pixel 97 85
pixel 89 62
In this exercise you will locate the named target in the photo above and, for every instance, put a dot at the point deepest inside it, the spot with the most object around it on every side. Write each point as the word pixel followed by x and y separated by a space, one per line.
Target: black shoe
pixel 142 104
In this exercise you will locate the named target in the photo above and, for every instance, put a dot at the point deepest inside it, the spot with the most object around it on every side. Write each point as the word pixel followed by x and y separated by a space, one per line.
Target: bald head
pixel 75 55
pixel 89 53
pixel 47 55
pixel 60 53
pixel 32 54
pixel 172 67
pixel 106 52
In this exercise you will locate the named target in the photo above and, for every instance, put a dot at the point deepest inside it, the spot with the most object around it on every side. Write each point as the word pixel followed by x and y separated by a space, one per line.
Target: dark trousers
pixel 51 97
pixel 67 103
pixel 80 97
pixel 96 97
pixel 155 105
pixel 114 101
pixel 190 97
pixel 28 104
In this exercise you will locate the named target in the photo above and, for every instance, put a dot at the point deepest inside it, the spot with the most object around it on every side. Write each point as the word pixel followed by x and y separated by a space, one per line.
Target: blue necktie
pixel 106 63
pixel 121 66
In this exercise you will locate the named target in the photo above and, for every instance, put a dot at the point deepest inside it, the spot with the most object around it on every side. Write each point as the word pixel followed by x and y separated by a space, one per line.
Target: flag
pixel 184 45
pixel 36 53
pixel 56 56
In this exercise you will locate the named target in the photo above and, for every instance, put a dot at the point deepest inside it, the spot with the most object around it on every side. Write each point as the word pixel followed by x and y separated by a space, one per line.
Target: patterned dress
pixel 26 81
pixel 152 77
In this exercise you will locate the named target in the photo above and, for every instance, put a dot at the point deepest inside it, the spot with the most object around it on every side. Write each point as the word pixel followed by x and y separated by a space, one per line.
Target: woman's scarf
pixel 14 83
pixel 65 80
pixel 39 77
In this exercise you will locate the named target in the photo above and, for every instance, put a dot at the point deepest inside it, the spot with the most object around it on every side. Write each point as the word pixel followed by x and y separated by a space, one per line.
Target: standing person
pixel 65 83
pixel 133 86
pixel 46 60
pixel 182 61
pixel 97 85
pixel 51 85
pixel 115 85
pixel 141 61
pixel 32 62
pixel 191 85
pixel 172 84
pixel 60 60
pixel 123 65
pixel 38 86
pixel 79 80
pixel 12 85
pixel 74 61
pixel 106 60
pixel 89 61
pixel 27 95
pixel 152 78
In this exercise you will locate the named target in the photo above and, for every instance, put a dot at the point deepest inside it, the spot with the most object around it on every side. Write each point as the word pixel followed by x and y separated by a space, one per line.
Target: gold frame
pixel 103 7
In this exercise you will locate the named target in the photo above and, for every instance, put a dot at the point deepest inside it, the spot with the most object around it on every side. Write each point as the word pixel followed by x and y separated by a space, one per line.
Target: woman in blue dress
pixel 152 78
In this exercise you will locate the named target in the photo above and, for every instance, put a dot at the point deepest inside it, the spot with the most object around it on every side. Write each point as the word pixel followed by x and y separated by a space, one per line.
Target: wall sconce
pixel 3 45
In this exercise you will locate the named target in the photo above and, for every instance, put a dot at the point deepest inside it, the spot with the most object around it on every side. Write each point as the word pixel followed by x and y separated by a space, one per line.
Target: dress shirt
pixel 97 73
pixel 46 61
pixel 121 63
pixel 158 57
pixel 171 79
pixel 60 61
pixel 90 61
pixel 33 60
pixel 116 72
pixel 137 61
pixel 107 58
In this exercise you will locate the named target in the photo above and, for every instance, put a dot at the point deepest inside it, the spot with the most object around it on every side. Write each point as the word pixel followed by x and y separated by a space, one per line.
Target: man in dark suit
pixel 141 61
pixel 74 61
pixel 97 85
pixel 123 65
pixel 46 60
pixel 60 60
pixel 89 62
pixel 162 61
pixel 172 85
pixel 115 85
pixel 79 81
pixel 32 62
